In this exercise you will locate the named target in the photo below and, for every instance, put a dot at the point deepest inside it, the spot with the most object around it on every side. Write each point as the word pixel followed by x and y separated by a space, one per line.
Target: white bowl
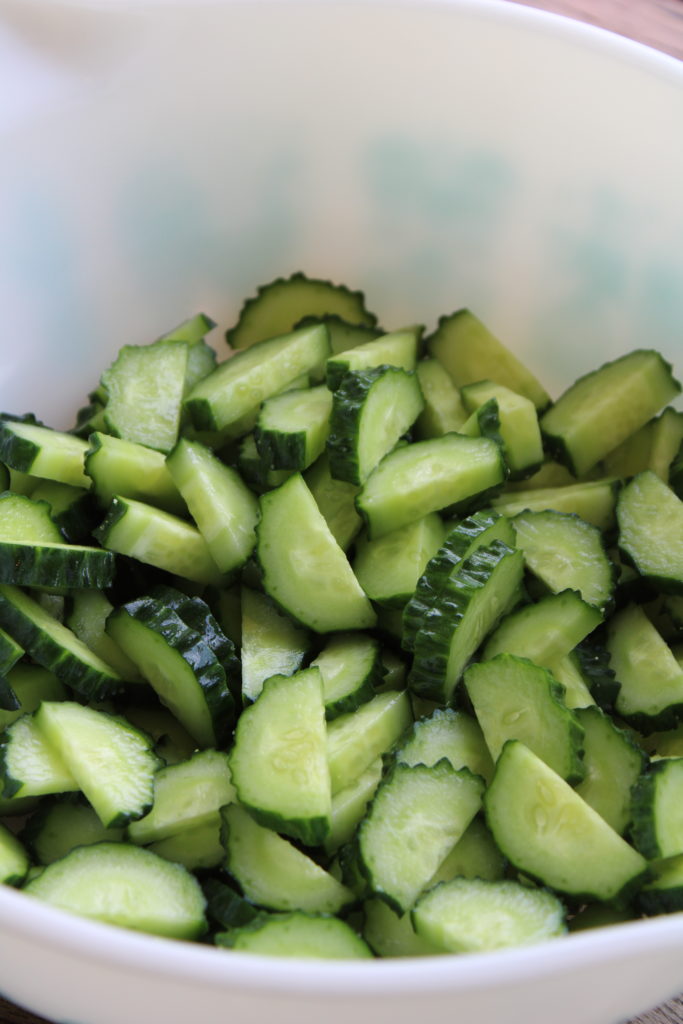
pixel 159 159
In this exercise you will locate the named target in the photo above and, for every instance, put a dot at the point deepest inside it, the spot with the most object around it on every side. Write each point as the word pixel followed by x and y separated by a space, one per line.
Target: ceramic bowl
pixel 164 158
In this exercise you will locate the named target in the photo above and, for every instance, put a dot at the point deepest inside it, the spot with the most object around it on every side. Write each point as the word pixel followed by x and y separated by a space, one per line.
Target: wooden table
pixel 659 23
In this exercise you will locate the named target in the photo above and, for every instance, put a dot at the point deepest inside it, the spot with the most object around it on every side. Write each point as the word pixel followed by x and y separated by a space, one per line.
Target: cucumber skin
pixel 193 649
pixel 36 565
pixel 643 827
pixel 428 673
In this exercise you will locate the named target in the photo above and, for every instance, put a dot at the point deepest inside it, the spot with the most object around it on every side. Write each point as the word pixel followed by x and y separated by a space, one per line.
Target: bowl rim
pixel 95 942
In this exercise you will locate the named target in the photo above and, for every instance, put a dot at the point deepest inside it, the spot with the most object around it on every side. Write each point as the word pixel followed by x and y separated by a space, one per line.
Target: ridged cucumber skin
pixel 435 672
pixel 645 831
pixel 650 520
pixel 73 510
pixel 55 647
pixel 197 615
pixel 24 454
pixel 209 675
pixel 460 539
pixel 664 893
pixel 398 348
pixel 366 677
pixel 352 401
pixel 293 427
pixel 319 298
pixel 56 565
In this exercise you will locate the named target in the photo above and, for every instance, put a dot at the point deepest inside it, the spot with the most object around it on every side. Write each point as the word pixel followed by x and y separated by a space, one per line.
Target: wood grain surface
pixel 658 23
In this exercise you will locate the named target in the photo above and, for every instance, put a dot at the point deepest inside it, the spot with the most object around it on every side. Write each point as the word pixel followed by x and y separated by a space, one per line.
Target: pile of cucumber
pixel 352 644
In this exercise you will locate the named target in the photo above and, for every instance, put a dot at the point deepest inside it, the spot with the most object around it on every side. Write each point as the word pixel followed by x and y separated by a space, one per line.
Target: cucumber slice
pixel 87 617
pixel 111 761
pixel 600 410
pixel 650 518
pixel 30 765
pixel 443 410
pixel 157 538
pixel 416 817
pixel 55 565
pixel 355 740
pixel 336 500
pixel 279 305
pixel 449 472
pixel 72 509
pixel 237 386
pixel 14 862
pixel 475 855
pixel 126 886
pixel 548 832
pixel 54 646
pixel 388 568
pixel 664 893
pixel 271 643
pixel 470 352
pixel 520 433
pixel 117 466
pixel 255 469
pixel 222 506
pixel 299 935
pixel 613 764
pixel 396 349
pixel 144 388
pixel 179 665
pixel 349 806
pixel 351 668
pixel 278 762
pixel 292 428
pixel 471 603
pixel 192 330
pixel 471 915
pixel 594 501
pixel 545 631
pixel 42 452
pixel 273 873
pixel 29 684
pixel 392 934
pixel 60 826
pixel 371 411
pixel 657 828
pixel 454 735
pixel 566 553
pixel 304 569
pixel 515 699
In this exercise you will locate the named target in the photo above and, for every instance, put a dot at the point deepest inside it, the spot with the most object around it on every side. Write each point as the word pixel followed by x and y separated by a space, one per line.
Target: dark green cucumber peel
pixel 54 565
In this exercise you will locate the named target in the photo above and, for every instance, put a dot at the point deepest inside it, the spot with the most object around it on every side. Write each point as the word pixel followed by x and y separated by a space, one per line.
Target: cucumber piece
pixel 124 885
pixel 390 934
pixel 657 828
pixel 255 469
pixel 566 553
pixel 463 538
pixel 273 873
pixel 651 680
pixel 87 618
pixel 399 348
pixel 158 538
pixel 613 765
pixel 271 643
pixel 222 506
pixel 388 568
pixel 568 672
pixel 417 815
pixel 449 472
pixel 192 330
pixel 278 761
pixel 25 520
pixel 299 935
pixel 443 410
pixel 30 765
pixel 447 733
pixel 198 849
pixel 72 509
pixel 349 806
pixel 55 565
pixel 187 795
pixel 10 653
pixel 663 894
pixel 549 833
pixel 111 761
pixel 304 569
pixel 545 631
pixel 60 826
pixel 473 600
pixel 225 906
pixel 120 467
pixel 237 386
pixel 343 334
pixel 470 352
pixel 55 647
pixel 594 501
pixel 279 305
pixel 179 665
pixel 471 915
pixel 475 855
pixel 372 409
pixel 518 425
pixel 144 388
pixel 355 740
pixel 29 684
pixel 42 452
pixel 336 500
pixel 292 428
pixel 351 667
pixel 515 699
pixel 601 409
pixel 14 862
pixel 650 518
